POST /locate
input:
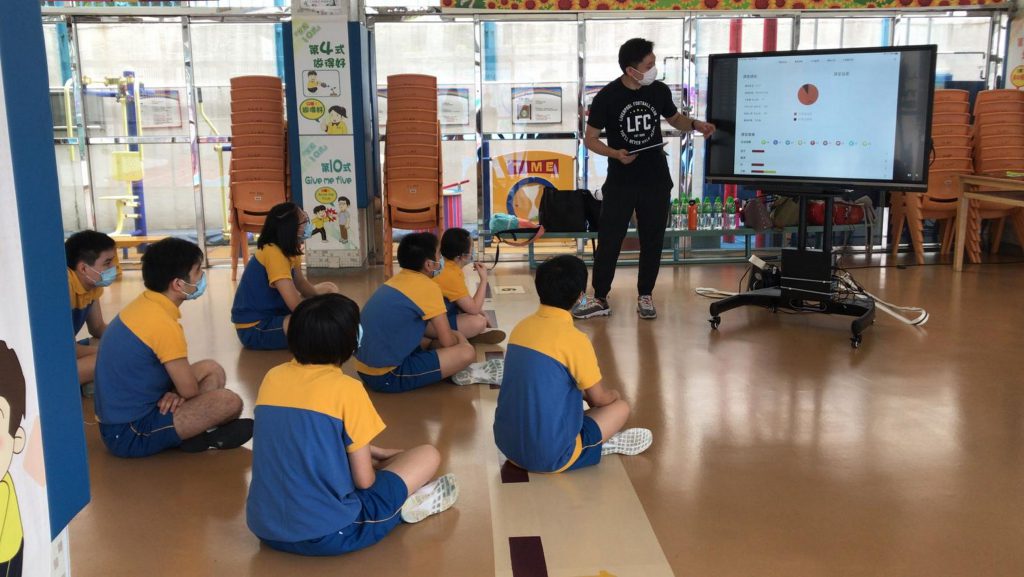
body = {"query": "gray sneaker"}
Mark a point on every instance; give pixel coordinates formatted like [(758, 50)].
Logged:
[(645, 307), (591, 307)]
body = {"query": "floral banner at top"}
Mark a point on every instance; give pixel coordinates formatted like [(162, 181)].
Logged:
[(741, 5)]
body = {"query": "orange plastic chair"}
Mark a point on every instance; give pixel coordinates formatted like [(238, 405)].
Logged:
[(939, 202), (392, 149), (951, 95), (951, 130), (997, 95), (275, 118), (243, 164), (951, 118), (250, 203), (398, 163), (995, 129), (952, 106), (399, 138), (999, 118), (411, 115), (965, 165), (1000, 140), (406, 100), (257, 128), (257, 105), (238, 94), (247, 140), (995, 106), (951, 141), (410, 204), (413, 127), (964, 151), (258, 175), (397, 82), (255, 81), (257, 152)]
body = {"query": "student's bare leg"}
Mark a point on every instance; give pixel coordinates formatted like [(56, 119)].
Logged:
[(416, 466), (326, 288), (205, 411), (86, 369), (471, 325), (610, 418), (210, 375), (455, 358)]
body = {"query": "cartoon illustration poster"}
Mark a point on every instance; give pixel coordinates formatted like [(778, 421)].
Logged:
[(322, 75), (329, 192), (24, 512)]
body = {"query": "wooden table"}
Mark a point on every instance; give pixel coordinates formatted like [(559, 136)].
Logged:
[(997, 190)]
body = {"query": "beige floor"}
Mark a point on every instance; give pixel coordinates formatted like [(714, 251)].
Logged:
[(779, 450)]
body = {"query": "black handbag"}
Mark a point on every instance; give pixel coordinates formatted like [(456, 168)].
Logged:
[(563, 210)]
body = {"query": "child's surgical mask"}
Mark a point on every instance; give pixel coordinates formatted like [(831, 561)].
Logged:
[(200, 288), (307, 230), (106, 277)]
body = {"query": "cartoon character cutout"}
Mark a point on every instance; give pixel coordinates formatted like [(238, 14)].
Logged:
[(320, 218), (334, 121), (12, 442), (314, 84), (343, 204)]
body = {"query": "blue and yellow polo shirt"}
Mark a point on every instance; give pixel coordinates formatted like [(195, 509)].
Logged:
[(81, 300), (394, 320), (130, 373), (255, 298), (548, 365), (452, 281), (308, 419)]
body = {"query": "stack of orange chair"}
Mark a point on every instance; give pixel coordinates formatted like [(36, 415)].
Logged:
[(412, 158), (258, 151), (998, 150), (951, 137)]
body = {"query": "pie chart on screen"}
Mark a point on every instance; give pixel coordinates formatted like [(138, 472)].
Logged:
[(808, 94)]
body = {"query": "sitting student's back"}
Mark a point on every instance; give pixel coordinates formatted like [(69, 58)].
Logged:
[(551, 368)]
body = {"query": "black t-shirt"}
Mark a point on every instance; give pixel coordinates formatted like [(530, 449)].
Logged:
[(632, 120)]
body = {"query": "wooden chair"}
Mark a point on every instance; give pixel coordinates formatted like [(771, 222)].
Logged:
[(250, 203)]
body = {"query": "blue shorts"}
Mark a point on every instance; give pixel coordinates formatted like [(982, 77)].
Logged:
[(381, 512), (453, 315), (269, 335), (143, 437), (591, 436), (418, 370)]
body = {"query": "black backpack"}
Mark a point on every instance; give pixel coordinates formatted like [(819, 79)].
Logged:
[(569, 210)]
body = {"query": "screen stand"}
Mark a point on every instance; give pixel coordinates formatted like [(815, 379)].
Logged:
[(806, 281)]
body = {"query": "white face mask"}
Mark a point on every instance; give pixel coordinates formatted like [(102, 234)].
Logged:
[(648, 77)]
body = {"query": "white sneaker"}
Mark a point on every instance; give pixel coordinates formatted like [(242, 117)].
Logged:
[(628, 442), (431, 499), (486, 373)]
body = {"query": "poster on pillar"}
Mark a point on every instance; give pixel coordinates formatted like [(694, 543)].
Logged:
[(24, 509), (323, 85), (1015, 55), (518, 180), (329, 197), (323, 88)]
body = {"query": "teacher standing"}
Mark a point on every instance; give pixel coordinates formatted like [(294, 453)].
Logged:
[(629, 109)]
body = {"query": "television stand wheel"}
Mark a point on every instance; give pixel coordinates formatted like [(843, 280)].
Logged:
[(715, 321), (855, 341)]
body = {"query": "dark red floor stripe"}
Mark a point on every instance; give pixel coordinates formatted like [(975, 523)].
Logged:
[(527, 557), (510, 473)]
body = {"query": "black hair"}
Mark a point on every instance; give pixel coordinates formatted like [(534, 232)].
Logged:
[(416, 249), (12, 386), (324, 330), (311, 73), (345, 198), (455, 242), (339, 109), (319, 208), (560, 280), (281, 229), (167, 260), (86, 246), (633, 52)]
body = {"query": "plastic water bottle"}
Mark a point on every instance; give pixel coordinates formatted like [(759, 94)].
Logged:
[(705, 214), (691, 215), (736, 220), (727, 216), (673, 221), (716, 213)]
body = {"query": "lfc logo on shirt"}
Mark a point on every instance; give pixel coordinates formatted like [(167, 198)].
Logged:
[(637, 123)]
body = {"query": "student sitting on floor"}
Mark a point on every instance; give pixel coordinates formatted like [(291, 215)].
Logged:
[(551, 368), (148, 397), (90, 257), (318, 486), (272, 284), (465, 313), (408, 342)]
